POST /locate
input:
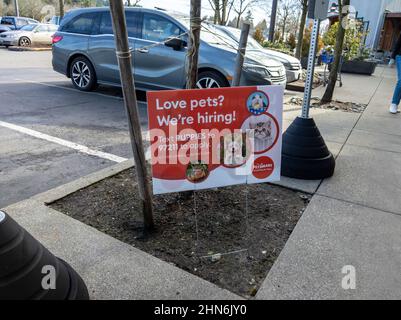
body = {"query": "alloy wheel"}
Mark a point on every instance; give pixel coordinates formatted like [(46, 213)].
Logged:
[(207, 82), (24, 42), (81, 74)]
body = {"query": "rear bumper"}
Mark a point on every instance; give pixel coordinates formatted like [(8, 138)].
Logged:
[(58, 61)]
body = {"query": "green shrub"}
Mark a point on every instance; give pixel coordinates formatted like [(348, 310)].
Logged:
[(278, 46), (352, 41)]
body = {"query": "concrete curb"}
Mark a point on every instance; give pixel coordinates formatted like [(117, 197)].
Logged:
[(110, 268), (29, 49), (64, 190)]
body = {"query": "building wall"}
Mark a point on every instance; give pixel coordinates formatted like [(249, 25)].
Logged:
[(372, 11)]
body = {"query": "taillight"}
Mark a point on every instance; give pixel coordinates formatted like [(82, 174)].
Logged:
[(56, 39)]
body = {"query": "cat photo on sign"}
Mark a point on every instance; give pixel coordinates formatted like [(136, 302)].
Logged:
[(263, 130)]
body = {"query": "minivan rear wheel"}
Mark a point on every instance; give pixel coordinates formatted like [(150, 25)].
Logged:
[(211, 79), (82, 74)]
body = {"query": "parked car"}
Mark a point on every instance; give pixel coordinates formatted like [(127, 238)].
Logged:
[(84, 50), (292, 65), (55, 20), (31, 34), (9, 23)]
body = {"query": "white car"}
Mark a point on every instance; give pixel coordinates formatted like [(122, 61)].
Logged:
[(292, 65), (38, 34)]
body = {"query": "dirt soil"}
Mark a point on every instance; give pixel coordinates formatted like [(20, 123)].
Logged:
[(229, 236), (333, 105)]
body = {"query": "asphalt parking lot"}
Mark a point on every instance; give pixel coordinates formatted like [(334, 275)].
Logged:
[(51, 133)]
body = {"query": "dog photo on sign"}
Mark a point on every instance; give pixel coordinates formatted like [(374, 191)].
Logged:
[(234, 149)]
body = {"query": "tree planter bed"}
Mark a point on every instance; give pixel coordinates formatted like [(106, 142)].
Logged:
[(219, 241)]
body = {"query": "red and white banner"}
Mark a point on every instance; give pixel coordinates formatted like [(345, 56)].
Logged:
[(215, 137)]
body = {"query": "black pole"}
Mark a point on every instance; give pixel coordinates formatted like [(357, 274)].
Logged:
[(273, 20)]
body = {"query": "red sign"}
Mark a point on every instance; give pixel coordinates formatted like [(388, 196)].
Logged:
[(214, 137)]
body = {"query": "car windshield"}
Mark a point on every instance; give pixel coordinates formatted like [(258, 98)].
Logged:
[(209, 33), (252, 43), (28, 27)]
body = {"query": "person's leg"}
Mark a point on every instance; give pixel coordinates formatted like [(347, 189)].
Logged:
[(397, 91)]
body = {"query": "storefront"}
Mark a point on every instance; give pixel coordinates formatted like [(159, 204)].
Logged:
[(390, 31)]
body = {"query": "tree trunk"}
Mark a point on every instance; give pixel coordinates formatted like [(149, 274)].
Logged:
[(217, 11), (298, 51), (223, 13), (128, 87), (193, 48), (61, 8), (273, 20), (328, 95)]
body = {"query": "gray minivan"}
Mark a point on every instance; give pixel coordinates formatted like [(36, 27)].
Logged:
[(84, 50)]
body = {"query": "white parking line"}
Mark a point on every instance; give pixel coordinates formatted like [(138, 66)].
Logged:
[(68, 88), (62, 142)]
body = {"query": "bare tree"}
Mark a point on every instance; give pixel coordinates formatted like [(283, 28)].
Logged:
[(241, 6), (298, 50), (61, 8), (133, 3), (328, 95), (286, 10), (222, 10)]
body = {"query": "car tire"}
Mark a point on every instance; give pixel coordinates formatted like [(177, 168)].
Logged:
[(24, 42), (211, 79), (82, 73)]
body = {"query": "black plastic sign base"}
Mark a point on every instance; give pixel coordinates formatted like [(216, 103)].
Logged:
[(24, 264), (305, 154)]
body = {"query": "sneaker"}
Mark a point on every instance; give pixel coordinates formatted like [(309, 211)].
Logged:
[(393, 108)]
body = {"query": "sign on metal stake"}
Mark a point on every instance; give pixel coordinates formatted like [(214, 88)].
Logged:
[(311, 69), (305, 154)]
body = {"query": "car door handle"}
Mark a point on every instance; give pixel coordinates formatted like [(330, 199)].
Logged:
[(143, 50)]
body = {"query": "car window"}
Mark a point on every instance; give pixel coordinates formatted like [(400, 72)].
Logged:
[(22, 22), (41, 29), (31, 21), (28, 27), (82, 24), (8, 21), (157, 28), (52, 28), (105, 24), (132, 19)]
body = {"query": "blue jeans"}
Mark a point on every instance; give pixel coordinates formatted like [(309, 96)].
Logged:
[(397, 90)]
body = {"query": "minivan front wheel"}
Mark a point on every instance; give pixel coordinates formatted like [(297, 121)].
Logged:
[(210, 79), (82, 74)]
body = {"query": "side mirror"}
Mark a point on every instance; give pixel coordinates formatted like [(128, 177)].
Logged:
[(175, 43)]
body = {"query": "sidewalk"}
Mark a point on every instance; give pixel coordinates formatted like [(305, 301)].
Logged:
[(354, 217)]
